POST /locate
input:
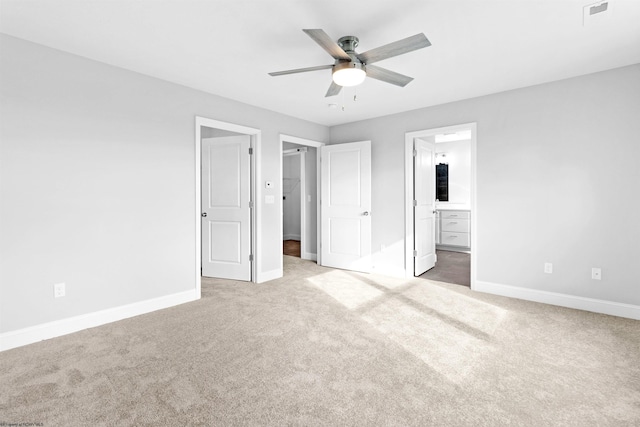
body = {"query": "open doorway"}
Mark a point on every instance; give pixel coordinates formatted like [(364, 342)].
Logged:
[(294, 205), (451, 198), (299, 176), (227, 217)]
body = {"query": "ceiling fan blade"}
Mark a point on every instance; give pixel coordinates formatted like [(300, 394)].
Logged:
[(394, 49), (388, 76), (301, 70), (334, 89), (325, 42)]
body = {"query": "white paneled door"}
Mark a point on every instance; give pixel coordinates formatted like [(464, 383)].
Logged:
[(345, 206), (424, 206), (226, 210)]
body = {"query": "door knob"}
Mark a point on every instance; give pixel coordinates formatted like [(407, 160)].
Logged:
[(204, 214), (365, 213)]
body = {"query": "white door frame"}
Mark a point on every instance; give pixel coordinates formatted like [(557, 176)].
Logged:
[(408, 197), (256, 219), (306, 143)]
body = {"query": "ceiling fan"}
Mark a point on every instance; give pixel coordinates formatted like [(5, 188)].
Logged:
[(351, 68)]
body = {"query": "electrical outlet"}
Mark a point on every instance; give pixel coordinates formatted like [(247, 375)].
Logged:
[(59, 290), (548, 267), (596, 273)]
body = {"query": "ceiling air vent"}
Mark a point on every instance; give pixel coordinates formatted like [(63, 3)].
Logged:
[(596, 12), (602, 7)]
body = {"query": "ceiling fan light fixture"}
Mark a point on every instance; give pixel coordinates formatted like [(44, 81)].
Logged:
[(349, 74), (351, 68)]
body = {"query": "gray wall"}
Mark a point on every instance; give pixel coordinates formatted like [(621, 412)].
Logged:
[(110, 212), (311, 168), (557, 180), (97, 183)]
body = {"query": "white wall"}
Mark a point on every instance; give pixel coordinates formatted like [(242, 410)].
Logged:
[(97, 183), (458, 157), (557, 180)]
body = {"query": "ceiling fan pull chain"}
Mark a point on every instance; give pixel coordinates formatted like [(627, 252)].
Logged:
[(355, 94)]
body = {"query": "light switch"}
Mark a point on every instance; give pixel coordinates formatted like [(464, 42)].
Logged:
[(269, 199)]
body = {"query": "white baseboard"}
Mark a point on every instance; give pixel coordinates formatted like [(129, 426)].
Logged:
[(462, 249), (563, 300), (291, 237), (310, 256), (269, 275), (45, 331)]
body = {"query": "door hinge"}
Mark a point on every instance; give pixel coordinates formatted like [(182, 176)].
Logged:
[(415, 203), (251, 257), (251, 204), (415, 153), (415, 254), (250, 150)]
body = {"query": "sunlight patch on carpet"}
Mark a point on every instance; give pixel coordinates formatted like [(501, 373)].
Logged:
[(476, 314), (344, 288), (447, 349)]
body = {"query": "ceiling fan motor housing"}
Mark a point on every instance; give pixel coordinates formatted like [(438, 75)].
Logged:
[(348, 43), (348, 72)]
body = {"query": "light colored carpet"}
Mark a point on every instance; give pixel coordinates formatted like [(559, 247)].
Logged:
[(331, 347)]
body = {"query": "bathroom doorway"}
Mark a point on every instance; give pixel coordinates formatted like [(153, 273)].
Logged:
[(454, 204)]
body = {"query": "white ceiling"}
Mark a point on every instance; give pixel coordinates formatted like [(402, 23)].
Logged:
[(227, 47)]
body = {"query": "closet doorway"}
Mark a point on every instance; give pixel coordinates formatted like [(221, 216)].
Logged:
[(293, 206), (299, 184)]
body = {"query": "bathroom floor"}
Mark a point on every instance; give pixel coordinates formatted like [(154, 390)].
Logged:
[(452, 267)]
